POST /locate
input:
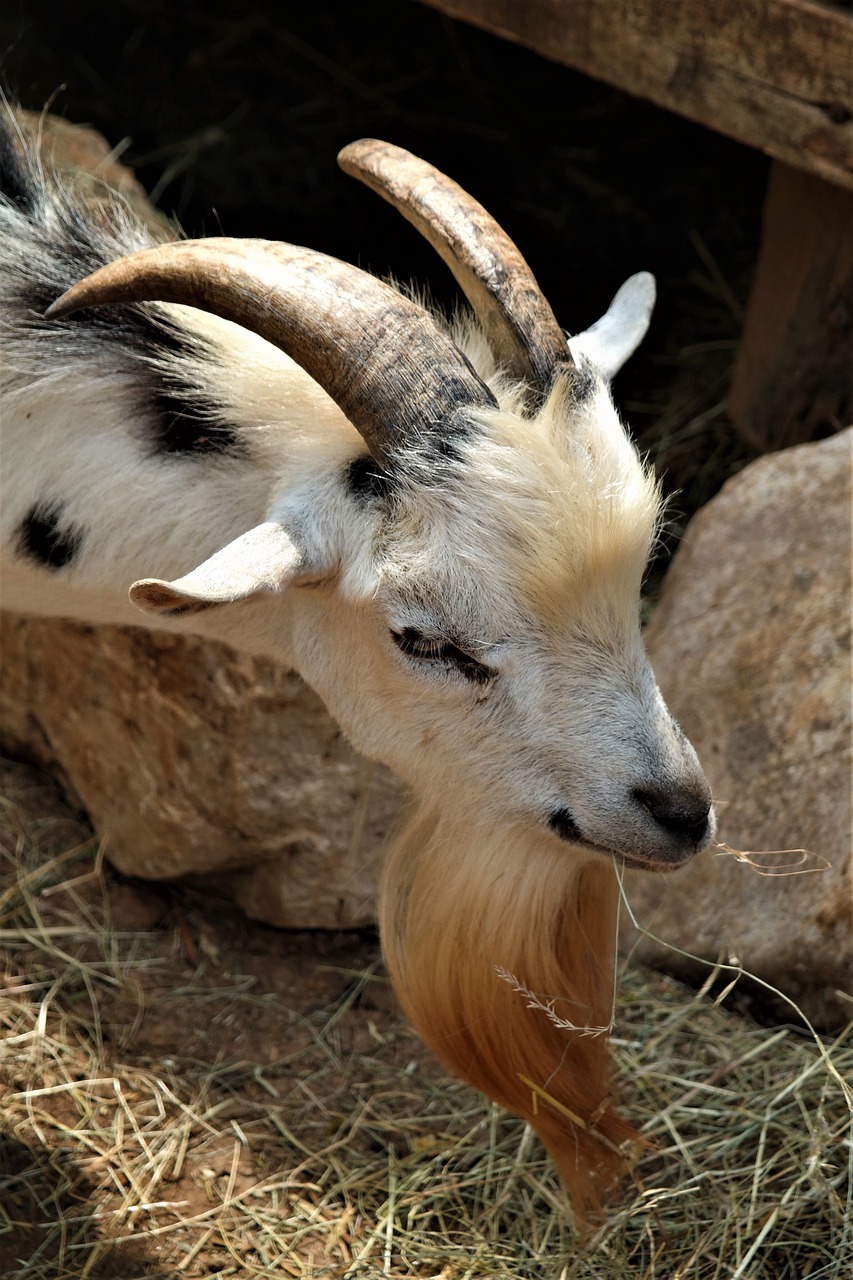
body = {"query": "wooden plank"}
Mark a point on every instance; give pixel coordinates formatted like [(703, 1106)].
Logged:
[(775, 74), (793, 377)]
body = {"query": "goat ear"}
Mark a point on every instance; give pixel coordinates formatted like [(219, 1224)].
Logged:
[(264, 560), (615, 337)]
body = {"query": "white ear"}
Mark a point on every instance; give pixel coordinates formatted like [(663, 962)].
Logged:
[(615, 337), (263, 560)]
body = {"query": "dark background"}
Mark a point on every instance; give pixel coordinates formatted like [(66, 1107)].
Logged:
[(232, 117)]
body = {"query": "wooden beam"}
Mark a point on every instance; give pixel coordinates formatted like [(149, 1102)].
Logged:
[(793, 375), (774, 74)]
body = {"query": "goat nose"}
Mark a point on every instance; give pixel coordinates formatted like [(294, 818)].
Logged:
[(680, 815)]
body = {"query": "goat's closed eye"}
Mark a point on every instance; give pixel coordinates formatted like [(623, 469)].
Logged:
[(416, 645), (433, 649)]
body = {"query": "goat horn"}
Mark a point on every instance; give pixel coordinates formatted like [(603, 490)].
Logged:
[(518, 322), (380, 357)]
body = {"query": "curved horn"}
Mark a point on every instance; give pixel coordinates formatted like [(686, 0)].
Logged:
[(519, 324), (380, 357)]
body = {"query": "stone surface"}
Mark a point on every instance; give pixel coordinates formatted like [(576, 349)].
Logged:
[(84, 157), (194, 760), (751, 645)]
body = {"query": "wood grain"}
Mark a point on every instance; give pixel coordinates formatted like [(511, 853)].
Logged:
[(793, 376), (775, 74)]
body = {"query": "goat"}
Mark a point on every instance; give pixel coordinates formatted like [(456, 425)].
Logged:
[(442, 526)]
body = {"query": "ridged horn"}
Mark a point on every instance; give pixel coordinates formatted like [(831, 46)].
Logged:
[(520, 326), (381, 358)]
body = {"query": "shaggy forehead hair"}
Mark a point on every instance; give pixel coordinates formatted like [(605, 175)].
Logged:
[(549, 510)]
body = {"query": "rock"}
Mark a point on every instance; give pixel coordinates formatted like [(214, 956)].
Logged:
[(84, 157), (196, 761), (136, 908), (751, 645)]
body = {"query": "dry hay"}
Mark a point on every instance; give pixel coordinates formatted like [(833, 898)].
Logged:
[(185, 1094)]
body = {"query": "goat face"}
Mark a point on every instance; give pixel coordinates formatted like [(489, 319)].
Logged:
[(465, 595), (493, 655), (471, 620)]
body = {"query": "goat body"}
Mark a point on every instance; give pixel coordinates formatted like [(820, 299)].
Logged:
[(442, 528)]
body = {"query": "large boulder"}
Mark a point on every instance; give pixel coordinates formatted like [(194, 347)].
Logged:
[(193, 760), (751, 644)]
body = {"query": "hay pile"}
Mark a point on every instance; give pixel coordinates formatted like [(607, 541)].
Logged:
[(184, 1094)]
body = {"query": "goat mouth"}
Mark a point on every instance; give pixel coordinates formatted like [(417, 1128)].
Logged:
[(630, 862), (645, 864), (562, 823)]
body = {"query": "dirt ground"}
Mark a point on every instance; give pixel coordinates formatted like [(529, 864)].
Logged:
[(262, 1017)]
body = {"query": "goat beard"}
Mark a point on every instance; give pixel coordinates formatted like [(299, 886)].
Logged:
[(500, 947)]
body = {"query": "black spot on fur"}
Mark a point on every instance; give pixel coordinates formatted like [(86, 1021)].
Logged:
[(563, 824), (183, 427), (147, 345), (366, 480), (44, 539), (584, 383), (185, 421)]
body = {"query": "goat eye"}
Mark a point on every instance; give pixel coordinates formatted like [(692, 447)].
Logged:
[(428, 649), (417, 645)]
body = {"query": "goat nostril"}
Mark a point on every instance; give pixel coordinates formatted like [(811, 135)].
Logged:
[(680, 816)]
